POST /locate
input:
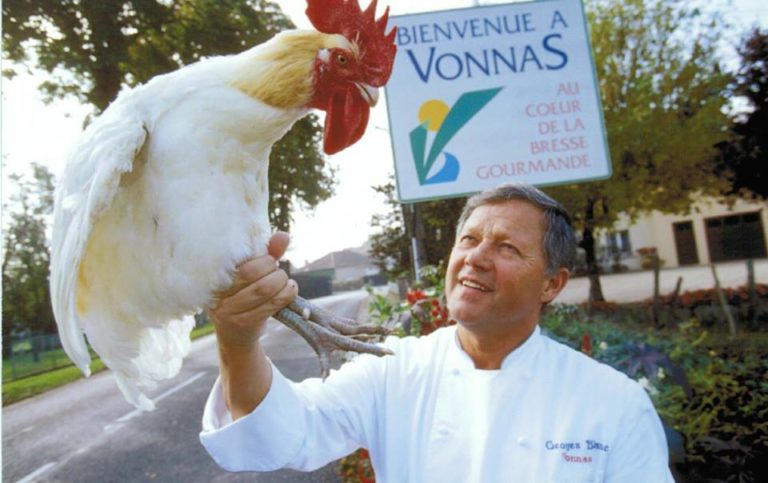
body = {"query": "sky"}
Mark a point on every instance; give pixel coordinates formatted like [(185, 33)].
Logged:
[(36, 132)]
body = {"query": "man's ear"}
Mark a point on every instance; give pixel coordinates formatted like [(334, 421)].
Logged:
[(554, 285)]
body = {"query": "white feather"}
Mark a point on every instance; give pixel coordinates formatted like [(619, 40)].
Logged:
[(164, 194)]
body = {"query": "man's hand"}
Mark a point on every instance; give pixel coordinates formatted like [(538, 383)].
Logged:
[(259, 290)]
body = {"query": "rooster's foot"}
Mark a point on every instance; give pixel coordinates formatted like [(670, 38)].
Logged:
[(326, 332)]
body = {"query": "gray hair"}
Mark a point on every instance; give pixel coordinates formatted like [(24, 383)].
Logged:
[(559, 242)]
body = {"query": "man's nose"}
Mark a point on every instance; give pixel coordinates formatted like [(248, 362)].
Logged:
[(479, 256)]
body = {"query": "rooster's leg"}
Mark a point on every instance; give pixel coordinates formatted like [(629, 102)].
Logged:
[(330, 321), (326, 333)]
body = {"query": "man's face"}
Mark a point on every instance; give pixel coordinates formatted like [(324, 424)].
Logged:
[(496, 274)]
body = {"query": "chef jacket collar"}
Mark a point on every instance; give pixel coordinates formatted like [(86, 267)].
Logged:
[(518, 361)]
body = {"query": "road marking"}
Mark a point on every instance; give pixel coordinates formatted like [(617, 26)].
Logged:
[(136, 412), (25, 430), (37, 472)]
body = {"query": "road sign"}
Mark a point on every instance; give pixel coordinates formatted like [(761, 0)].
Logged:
[(493, 94)]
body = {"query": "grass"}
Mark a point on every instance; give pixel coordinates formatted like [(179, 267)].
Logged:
[(20, 389), (24, 365)]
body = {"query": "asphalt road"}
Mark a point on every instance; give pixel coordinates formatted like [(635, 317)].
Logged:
[(85, 431)]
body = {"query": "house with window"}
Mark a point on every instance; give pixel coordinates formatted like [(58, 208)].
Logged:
[(711, 232)]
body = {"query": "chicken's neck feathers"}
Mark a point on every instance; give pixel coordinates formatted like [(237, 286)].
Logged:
[(280, 72)]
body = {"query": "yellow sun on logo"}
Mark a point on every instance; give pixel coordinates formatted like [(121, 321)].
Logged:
[(433, 112)]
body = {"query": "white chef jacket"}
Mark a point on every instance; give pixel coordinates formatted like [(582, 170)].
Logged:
[(426, 414)]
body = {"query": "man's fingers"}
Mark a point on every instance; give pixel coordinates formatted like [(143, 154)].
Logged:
[(280, 300), (278, 244), (255, 268), (247, 273), (256, 294)]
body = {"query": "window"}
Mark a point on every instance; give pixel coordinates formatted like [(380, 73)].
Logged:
[(618, 243)]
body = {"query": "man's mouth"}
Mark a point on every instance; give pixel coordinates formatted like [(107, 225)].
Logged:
[(474, 284)]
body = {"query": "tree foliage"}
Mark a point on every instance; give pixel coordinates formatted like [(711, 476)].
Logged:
[(433, 223), (390, 249), (93, 48), (745, 158), (26, 257), (663, 94)]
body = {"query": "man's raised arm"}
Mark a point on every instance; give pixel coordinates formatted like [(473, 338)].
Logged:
[(259, 290)]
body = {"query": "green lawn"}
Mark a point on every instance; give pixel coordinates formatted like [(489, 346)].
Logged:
[(25, 387), (25, 365), (20, 389)]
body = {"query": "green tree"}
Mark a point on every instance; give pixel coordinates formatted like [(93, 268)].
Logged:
[(26, 257), (663, 95), (433, 222), (390, 246), (745, 158), (93, 48)]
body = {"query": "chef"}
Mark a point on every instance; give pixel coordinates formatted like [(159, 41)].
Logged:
[(488, 400)]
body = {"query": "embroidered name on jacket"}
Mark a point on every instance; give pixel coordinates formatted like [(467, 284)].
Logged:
[(566, 446)]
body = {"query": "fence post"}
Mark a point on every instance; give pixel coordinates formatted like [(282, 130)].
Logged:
[(752, 294), (656, 289), (723, 302)]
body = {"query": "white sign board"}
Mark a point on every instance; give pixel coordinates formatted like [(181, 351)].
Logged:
[(494, 94)]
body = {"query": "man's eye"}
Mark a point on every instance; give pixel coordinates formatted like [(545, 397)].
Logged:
[(508, 248)]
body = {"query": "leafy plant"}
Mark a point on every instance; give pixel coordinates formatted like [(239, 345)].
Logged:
[(715, 402), (652, 361)]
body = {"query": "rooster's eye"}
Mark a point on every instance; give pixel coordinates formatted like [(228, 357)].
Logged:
[(341, 59)]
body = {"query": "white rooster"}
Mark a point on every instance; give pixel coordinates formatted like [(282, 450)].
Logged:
[(166, 192)]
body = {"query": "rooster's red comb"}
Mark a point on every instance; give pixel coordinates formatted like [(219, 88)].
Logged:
[(345, 17)]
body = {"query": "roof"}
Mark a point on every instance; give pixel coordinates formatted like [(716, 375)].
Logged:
[(350, 257)]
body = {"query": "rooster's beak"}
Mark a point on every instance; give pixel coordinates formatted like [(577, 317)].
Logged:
[(369, 93)]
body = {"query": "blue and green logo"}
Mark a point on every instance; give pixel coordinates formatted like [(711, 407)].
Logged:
[(436, 116)]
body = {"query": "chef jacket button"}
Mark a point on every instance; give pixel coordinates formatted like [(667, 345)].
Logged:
[(455, 372), (522, 441)]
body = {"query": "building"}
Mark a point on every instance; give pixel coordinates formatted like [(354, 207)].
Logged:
[(346, 269), (712, 232)]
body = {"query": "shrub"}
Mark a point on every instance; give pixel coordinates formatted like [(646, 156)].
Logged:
[(717, 400)]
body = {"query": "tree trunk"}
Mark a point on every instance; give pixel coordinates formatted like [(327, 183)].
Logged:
[(109, 46), (588, 244)]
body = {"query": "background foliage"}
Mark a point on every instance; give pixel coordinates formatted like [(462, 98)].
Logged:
[(663, 91), (745, 157), (26, 298), (718, 409), (92, 49)]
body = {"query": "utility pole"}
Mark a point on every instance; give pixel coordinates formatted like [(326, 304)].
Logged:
[(413, 222)]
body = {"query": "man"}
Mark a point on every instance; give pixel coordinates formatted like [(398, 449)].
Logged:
[(488, 400)]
